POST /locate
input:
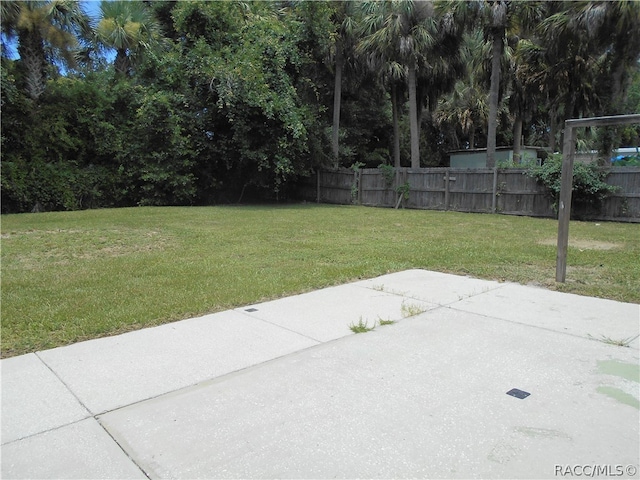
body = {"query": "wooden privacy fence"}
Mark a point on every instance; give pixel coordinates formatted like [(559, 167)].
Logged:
[(507, 191)]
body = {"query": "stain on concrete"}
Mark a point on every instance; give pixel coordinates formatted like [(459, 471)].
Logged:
[(541, 432), (625, 370), (502, 453), (620, 395)]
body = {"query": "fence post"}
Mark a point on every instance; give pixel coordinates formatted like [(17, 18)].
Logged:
[(446, 190), (402, 180), (397, 181), (318, 186), (495, 190), (564, 203), (405, 180)]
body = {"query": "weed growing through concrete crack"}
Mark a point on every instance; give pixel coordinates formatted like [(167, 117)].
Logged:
[(411, 309), (385, 322), (362, 326), (624, 342)]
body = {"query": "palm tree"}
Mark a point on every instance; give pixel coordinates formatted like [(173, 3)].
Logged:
[(343, 46), (9, 14), (47, 31), (393, 76), (501, 21), (575, 49), (496, 15), (381, 60), (130, 28), (444, 63), (399, 31), (465, 109), (524, 94), (612, 26)]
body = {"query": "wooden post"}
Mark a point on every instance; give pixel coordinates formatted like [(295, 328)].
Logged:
[(446, 190), (495, 190), (318, 186), (564, 203), (398, 179), (566, 180)]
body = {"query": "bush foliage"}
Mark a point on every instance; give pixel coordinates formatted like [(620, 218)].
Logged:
[(221, 102), (589, 187)]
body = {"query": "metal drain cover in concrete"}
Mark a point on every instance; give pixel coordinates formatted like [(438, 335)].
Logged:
[(514, 392)]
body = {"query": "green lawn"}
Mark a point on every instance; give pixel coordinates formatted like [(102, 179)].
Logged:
[(71, 276)]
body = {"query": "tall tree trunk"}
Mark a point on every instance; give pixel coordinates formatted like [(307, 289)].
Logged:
[(496, 55), (31, 52), (413, 118), (122, 63), (617, 86), (568, 115), (472, 137), (517, 139), (553, 126), (337, 93), (396, 125)]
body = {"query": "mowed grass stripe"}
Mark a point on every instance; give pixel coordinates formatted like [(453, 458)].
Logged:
[(72, 276)]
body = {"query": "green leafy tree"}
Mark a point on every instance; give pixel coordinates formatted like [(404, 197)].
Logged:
[(47, 32), (343, 51), (245, 59), (392, 74), (130, 28), (496, 15), (418, 42), (523, 95), (443, 64), (398, 31), (585, 57), (465, 109), (162, 174), (59, 156), (610, 24)]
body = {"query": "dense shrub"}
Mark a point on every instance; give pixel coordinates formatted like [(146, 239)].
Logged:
[(589, 187)]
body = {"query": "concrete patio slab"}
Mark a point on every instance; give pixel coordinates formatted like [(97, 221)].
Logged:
[(562, 312), (432, 287), (34, 400), (327, 314), (424, 398), (288, 391), (81, 450), (111, 372)]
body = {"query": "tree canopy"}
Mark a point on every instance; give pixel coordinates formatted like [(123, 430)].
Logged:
[(221, 102)]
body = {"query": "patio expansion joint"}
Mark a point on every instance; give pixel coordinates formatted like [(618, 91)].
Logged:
[(257, 317), (466, 297), (89, 412), (52, 429), (407, 295), (586, 336), (124, 450), (89, 416), (207, 381)]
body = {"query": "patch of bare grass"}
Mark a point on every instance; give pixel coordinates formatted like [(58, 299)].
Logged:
[(584, 244)]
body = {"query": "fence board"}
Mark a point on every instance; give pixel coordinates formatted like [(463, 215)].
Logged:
[(375, 190), (467, 190)]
